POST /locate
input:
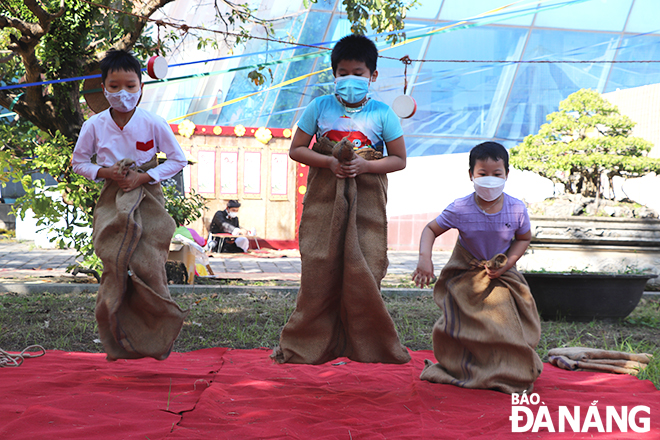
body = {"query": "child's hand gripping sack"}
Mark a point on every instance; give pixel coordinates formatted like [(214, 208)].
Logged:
[(343, 151)]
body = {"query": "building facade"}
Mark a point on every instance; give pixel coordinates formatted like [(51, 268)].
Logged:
[(482, 70)]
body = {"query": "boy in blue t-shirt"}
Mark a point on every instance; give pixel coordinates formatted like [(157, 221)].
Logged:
[(343, 229)]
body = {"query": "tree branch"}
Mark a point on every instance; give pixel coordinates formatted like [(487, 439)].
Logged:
[(32, 30), (147, 10), (45, 18), (25, 28), (7, 58), (6, 99), (246, 14), (31, 34)]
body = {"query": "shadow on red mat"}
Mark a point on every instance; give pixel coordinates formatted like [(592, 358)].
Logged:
[(240, 394)]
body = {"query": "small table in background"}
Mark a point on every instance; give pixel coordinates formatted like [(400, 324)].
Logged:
[(222, 237)]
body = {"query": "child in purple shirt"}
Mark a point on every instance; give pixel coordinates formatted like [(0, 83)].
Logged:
[(489, 326), (487, 220)]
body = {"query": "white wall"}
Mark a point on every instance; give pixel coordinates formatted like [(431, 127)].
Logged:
[(27, 228), (430, 183)]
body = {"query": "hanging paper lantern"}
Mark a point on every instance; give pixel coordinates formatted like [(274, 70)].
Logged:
[(404, 106), (157, 67)]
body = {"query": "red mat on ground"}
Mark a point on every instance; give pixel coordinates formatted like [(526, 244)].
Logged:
[(241, 394)]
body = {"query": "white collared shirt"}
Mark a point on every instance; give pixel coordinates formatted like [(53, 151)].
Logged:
[(140, 139)]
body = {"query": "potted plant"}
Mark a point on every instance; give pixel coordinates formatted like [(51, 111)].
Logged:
[(585, 296), (584, 144), (583, 148)]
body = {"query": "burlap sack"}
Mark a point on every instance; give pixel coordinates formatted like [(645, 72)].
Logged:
[(343, 248), (135, 313), (592, 359), (488, 329)]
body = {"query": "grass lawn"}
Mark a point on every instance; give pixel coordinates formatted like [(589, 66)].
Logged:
[(251, 320)]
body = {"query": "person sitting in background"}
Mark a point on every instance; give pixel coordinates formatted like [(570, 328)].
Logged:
[(226, 222)]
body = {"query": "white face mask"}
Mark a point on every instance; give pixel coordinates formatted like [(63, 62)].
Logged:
[(232, 214), (122, 101), (488, 188)]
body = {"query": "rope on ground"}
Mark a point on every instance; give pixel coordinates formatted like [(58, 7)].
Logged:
[(16, 359)]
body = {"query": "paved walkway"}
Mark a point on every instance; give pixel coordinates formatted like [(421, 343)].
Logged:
[(23, 260), (27, 269)]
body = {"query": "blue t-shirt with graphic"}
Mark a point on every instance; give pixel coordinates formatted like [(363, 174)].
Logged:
[(372, 126)]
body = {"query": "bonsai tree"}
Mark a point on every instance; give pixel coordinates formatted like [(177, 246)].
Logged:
[(585, 141)]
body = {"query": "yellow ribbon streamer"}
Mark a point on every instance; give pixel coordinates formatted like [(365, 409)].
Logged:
[(232, 101), (300, 78)]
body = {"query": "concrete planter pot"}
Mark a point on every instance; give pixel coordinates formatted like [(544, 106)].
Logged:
[(593, 245), (596, 231), (586, 296)]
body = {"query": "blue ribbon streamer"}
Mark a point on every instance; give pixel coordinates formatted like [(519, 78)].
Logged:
[(503, 16)]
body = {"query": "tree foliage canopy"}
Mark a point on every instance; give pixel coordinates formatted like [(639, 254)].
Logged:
[(380, 15), (58, 39), (45, 41), (586, 140)]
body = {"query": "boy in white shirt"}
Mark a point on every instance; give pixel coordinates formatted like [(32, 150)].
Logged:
[(125, 131), (132, 230)]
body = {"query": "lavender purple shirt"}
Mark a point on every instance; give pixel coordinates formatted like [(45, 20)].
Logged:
[(485, 235)]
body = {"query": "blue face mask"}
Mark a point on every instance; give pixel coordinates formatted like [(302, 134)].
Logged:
[(352, 89)]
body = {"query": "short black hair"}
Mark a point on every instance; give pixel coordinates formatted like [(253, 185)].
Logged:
[(489, 150), (355, 48), (233, 204), (117, 59)]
